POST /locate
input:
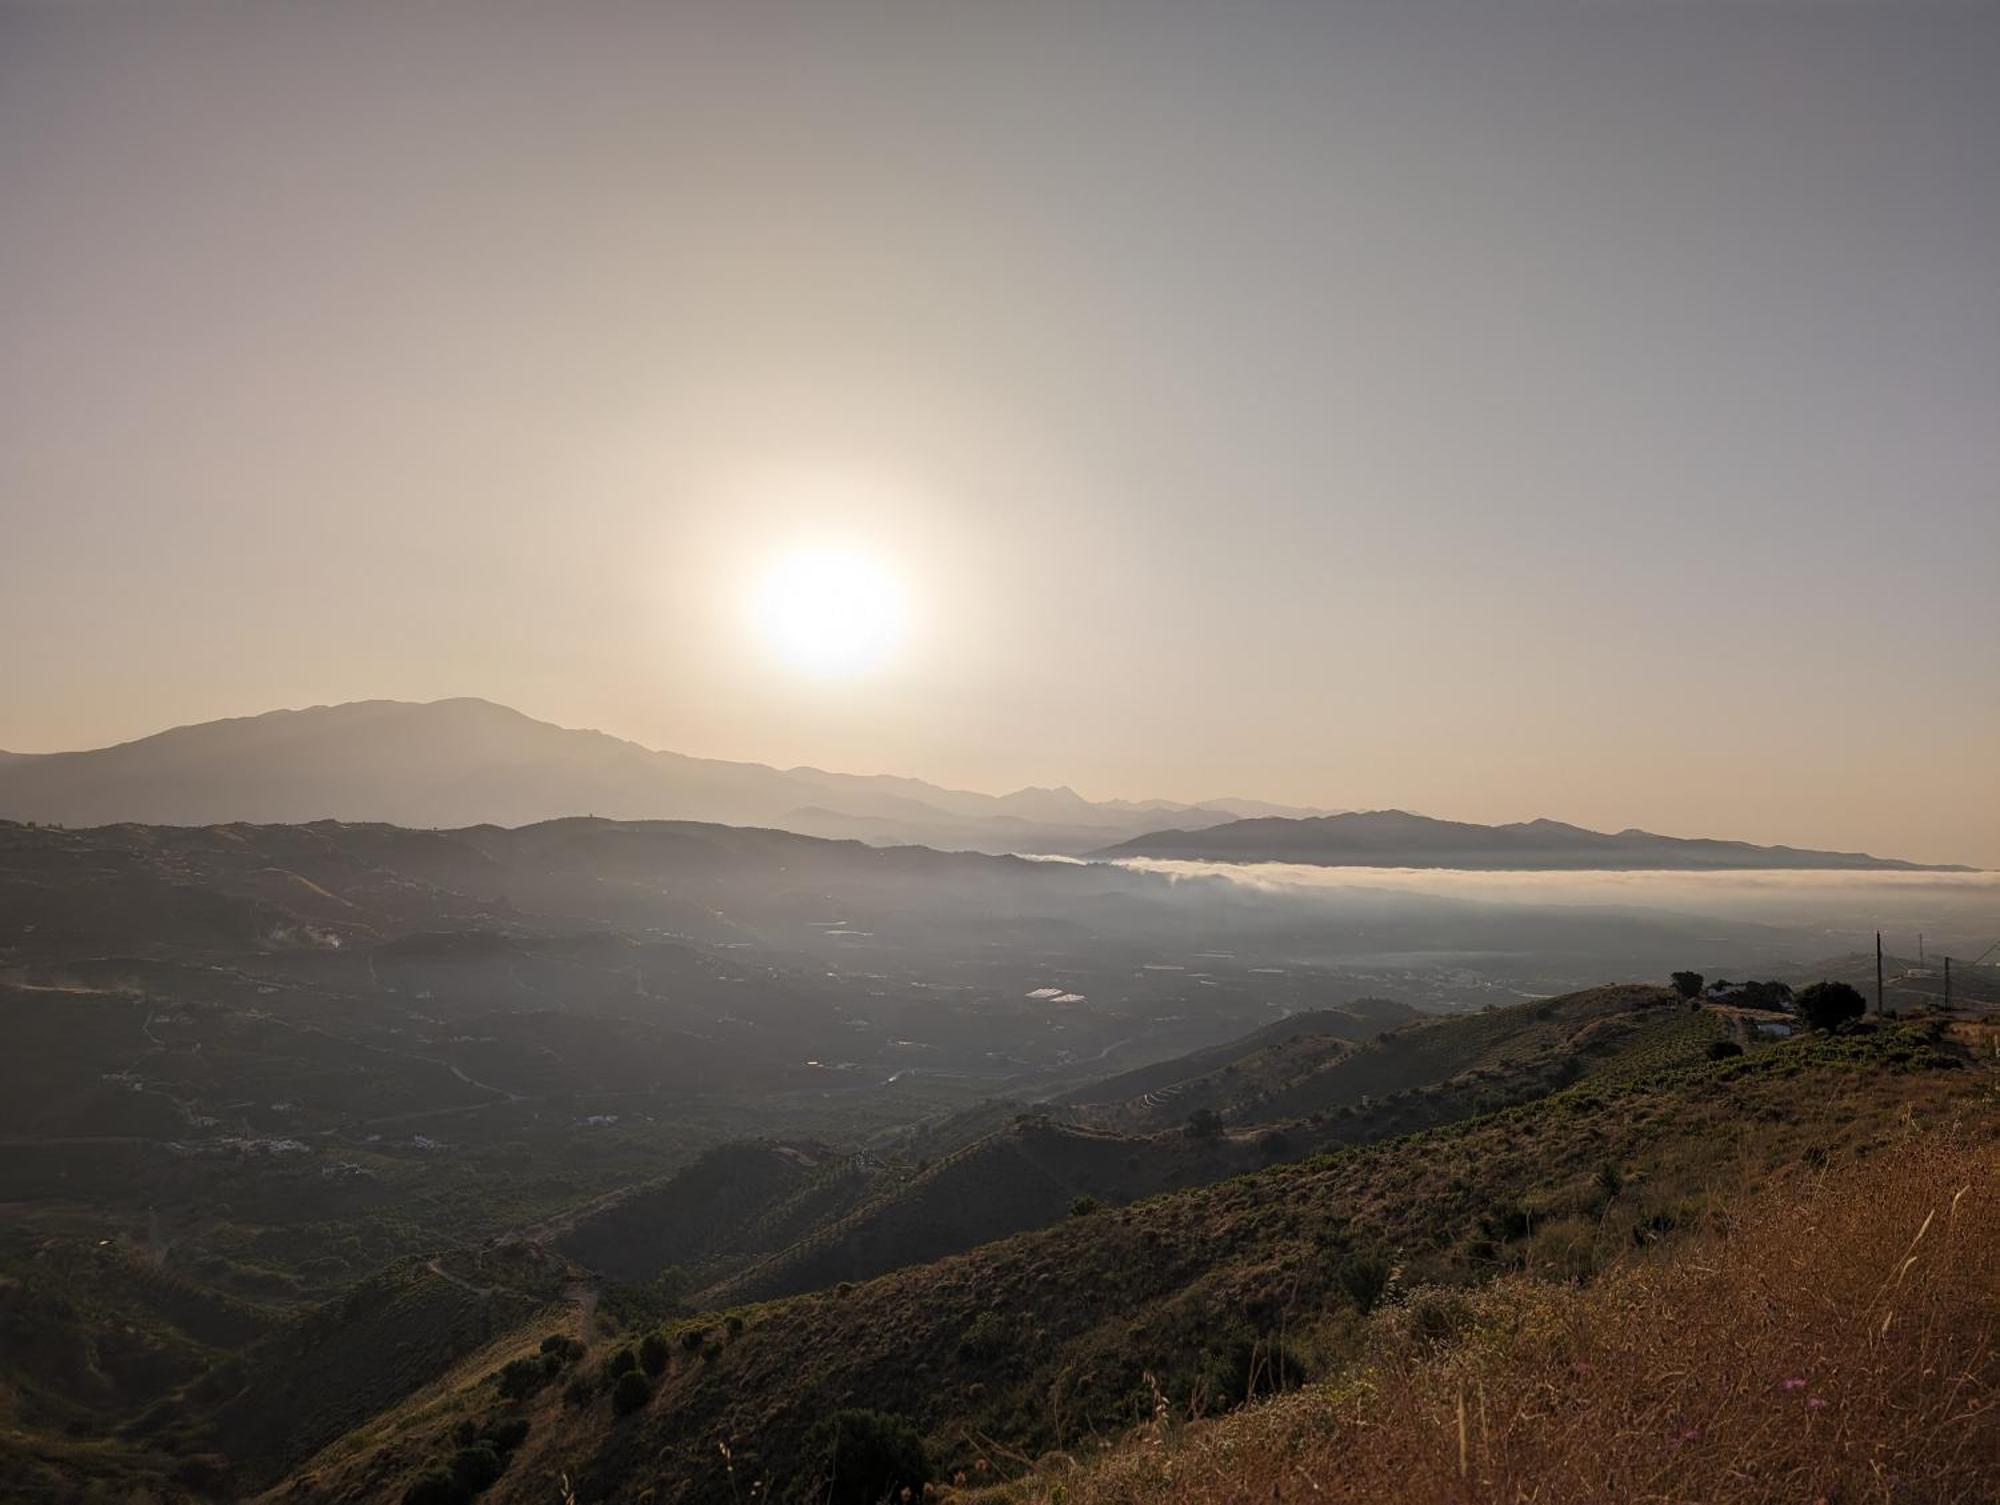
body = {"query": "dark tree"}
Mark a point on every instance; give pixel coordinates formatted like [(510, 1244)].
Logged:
[(1688, 984), (1828, 1005), (476, 1467), (435, 1486), (859, 1457), (653, 1354), (622, 1362), (1722, 1050), (630, 1393)]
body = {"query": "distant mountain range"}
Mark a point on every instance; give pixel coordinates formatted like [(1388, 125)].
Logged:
[(1396, 838), (451, 763)]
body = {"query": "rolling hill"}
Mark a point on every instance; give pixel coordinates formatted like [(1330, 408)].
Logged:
[(1396, 838)]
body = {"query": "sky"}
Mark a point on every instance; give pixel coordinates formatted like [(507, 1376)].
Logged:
[(1495, 410)]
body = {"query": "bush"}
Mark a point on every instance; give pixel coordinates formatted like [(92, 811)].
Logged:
[(1688, 984), (1722, 1050), (691, 1337), (435, 1486), (1365, 1278), (521, 1378), (1204, 1123), (1240, 1365), (507, 1435), (734, 1323), (857, 1457), (621, 1364), (653, 1354), (476, 1467), (1828, 1005), (986, 1337), (1084, 1206), (630, 1393)]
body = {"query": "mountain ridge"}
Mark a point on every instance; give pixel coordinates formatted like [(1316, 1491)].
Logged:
[(467, 761), (1398, 838)]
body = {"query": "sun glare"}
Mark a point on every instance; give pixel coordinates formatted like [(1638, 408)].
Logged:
[(831, 611)]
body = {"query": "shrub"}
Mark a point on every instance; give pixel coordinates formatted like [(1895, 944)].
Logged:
[(1241, 1365), (435, 1486), (653, 1354), (621, 1364), (1828, 1005), (1688, 984), (476, 1467), (521, 1378), (734, 1323), (985, 1337), (508, 1434), (691, 1337), (630, 1393), (857, 1457), (1204, 1123), (1084, 1206), (1722, 1050), (1365, 1278)]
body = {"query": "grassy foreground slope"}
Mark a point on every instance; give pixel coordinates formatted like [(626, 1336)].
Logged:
[(1840, 1342), (1063, 1340)]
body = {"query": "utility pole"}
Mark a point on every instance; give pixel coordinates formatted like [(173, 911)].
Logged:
[(1947, 984), (1878, 974)]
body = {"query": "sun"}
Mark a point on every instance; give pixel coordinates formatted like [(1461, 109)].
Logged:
[(831, 611)]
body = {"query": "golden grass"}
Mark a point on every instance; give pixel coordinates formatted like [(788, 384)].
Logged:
[(1836, 1345)]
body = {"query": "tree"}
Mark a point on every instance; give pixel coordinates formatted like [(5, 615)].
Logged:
[(476, 1467), (1828, 1005), (1204, 1123), (1688, 984), (435, 1486), (622, 1362), (630, 1393), (857, 1457), (653, 1354), (1722, 1050)]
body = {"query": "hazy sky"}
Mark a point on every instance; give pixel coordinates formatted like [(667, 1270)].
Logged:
[(1588, 410)]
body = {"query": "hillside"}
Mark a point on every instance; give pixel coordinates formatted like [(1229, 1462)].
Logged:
[(469, 762), (1036, 1170), (1751, 1365), (1441, 1067), (1048, 1338), (1396, 838), (737, 1202), (1353, 1021)]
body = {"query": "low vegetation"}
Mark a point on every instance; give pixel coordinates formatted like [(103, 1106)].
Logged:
[(1839, 1340)]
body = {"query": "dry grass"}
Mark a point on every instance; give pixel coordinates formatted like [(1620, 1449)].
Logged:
[(1837, 1345)]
